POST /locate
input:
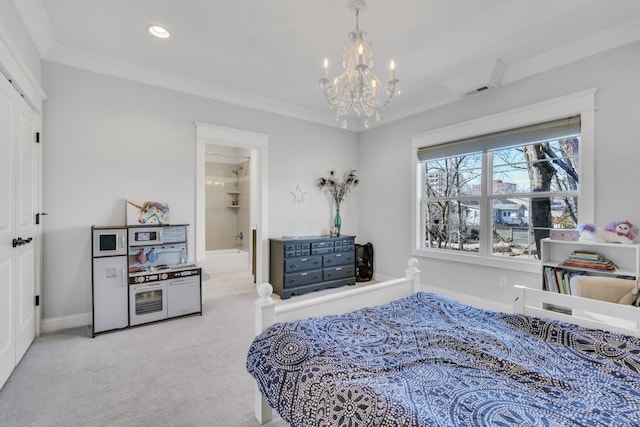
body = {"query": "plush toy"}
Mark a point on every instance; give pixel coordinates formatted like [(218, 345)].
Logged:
[(616, 232)]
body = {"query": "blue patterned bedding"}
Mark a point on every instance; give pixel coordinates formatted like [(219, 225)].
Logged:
[(427, 360)]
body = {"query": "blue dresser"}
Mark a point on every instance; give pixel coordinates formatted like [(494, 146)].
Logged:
[(304, 264)]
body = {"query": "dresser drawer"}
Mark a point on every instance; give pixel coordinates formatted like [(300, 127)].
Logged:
[(333, 273), (304, 278), (339, 258), (296, 249), (322, 250), (303, 263), (344, 245), (345, 248), (343, 242)]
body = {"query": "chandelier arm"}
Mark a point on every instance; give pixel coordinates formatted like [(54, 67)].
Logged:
[(358, 89)]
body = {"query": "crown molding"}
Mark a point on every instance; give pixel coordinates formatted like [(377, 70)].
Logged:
[(16, 70), (34, 17), (593, 44), (154, 77), (36, 22)]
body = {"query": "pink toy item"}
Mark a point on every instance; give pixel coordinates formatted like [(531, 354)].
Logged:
[(616, 232)]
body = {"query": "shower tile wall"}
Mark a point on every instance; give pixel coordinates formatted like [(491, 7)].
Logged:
[(225, 222)]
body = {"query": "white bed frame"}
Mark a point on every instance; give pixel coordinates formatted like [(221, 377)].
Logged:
[(533, 302), (591, 313)]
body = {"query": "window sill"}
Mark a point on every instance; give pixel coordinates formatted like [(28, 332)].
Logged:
[(492, 261)]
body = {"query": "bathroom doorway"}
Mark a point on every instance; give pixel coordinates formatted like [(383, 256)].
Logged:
[(237, 143), (227, 201)]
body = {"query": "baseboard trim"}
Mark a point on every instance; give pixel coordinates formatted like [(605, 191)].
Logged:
[(65, 322)]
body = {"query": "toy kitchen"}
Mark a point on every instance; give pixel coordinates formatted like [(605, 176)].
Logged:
[(141, 274)]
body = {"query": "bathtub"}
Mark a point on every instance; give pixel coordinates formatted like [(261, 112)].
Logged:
[(227, 260)]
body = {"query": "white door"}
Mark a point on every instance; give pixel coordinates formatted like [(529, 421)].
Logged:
[(7, 205), (25, 227), (19, 187)]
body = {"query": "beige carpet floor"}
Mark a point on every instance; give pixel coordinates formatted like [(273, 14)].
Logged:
[(183, 372)]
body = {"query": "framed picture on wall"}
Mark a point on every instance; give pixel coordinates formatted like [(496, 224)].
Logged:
[(150, 212)]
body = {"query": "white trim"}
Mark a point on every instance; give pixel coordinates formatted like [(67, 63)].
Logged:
[(159, 78), (19, 73), (585, 312), (555, 108), (54, 324), (592, 44), (582, 103), (37, 23), (259, 210)]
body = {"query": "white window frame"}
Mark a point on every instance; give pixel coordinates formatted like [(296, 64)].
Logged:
[(582, 103)]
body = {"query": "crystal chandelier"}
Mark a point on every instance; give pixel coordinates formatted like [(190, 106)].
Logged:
[(357, 89)]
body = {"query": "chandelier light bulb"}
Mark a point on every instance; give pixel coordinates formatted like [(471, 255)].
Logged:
[(357, 89)]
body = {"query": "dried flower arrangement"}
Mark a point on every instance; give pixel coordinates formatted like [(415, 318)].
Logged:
[(338, 189)]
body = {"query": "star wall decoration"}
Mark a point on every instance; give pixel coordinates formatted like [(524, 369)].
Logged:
[(298, 195)]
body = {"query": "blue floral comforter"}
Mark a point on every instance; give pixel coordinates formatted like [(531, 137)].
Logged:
[(427, 360)]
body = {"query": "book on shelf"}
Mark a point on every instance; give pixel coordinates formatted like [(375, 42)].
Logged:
[(589, 260), (558, 280)]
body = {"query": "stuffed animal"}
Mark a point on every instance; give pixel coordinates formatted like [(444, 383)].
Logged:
[(616, 232)]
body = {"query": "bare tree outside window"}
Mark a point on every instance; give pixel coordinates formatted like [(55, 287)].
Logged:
[(531, 189), (450, 187)]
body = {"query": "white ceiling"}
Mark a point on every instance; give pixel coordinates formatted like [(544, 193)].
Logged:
[(268, 54)]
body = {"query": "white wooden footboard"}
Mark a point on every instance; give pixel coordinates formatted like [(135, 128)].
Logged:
[(582, 311), (268, 312)]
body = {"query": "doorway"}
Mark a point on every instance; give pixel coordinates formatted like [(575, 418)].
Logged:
[(228, 205), (238, 143)]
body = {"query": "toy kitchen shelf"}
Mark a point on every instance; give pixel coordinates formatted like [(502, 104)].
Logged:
[(625, 257)]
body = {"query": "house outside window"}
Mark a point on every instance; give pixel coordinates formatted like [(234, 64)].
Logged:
[(486, 191), (533, 187)]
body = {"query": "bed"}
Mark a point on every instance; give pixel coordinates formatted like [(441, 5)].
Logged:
[(402, 357)]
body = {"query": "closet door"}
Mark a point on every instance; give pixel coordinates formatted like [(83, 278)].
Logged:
[(19, 187), (26, 174), (7, 205)]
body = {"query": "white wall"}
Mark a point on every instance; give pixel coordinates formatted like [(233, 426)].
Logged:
[(106, 139), (385, 164)]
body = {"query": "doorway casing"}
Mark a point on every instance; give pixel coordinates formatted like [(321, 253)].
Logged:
[(258, 212)]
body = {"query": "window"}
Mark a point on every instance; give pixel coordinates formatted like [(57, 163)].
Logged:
[(494, 196)]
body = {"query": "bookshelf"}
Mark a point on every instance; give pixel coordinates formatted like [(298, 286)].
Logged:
[(556, 277)]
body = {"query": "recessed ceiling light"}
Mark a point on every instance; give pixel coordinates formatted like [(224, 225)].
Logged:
[(158, 31)]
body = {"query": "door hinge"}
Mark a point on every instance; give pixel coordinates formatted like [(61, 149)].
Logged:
[(38, 215), (37, 300), (38, 137)]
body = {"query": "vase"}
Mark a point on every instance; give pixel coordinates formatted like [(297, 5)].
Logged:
[(337, 222)]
